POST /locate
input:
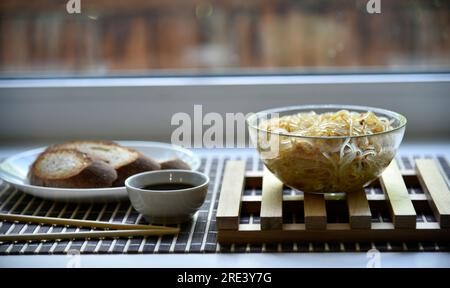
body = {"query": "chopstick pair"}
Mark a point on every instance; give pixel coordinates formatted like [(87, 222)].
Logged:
[(118, 229)]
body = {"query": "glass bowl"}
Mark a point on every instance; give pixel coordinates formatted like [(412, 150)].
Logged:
[(325, 164)]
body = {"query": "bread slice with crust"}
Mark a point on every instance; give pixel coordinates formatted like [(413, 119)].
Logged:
[(125, 160), (69, 168)]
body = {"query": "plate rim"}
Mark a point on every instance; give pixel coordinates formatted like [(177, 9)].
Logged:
[(125, 143)]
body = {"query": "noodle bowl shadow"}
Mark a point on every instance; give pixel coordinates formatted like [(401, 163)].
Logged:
[(326, 164)]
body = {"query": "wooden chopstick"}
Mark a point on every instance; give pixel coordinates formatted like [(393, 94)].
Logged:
[(87, 234), (79, 223)]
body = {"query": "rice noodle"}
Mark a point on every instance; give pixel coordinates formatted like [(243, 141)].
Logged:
[(329, 164)]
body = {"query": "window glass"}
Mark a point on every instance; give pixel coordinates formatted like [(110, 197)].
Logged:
[(148, 37)]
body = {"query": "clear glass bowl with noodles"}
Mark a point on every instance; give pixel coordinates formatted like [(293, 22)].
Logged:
[(326, 148)]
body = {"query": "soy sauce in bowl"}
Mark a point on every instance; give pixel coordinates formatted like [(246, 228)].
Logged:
[(168, 186), (167, 196)]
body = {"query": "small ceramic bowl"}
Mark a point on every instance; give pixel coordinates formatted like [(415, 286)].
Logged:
[(167, 206)]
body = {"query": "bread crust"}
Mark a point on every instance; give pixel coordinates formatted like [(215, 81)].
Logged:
[(140, 164), (95, 173), (137, 163), (175, 163)]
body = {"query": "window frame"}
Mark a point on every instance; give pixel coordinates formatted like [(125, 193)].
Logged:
[(141, 107)]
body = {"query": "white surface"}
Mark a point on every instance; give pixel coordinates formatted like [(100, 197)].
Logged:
[(14, 170), (246, 260)]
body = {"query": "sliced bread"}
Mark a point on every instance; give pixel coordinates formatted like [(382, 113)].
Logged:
[(126, 161), (69, 168)]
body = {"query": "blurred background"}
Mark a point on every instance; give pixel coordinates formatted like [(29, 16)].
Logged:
[(116, 70), (113, 37)]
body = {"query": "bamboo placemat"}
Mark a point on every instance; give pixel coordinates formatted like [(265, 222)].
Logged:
[(197, 236)]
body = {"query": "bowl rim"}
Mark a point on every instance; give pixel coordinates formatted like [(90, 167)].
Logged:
[(204, 177), (338, 107)]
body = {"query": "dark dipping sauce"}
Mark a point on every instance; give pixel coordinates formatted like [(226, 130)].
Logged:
[(168, 186)]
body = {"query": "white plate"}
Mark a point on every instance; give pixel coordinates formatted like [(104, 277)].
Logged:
[(14, 170)]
